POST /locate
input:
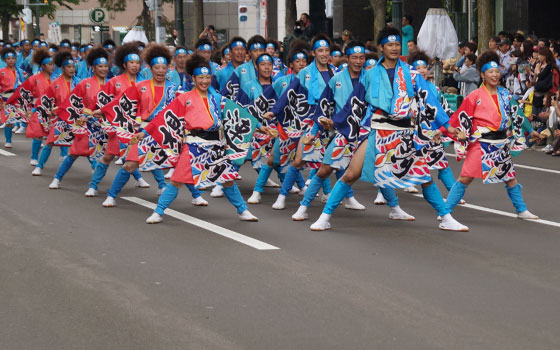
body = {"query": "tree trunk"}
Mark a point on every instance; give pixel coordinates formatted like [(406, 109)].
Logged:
[(198, 19), (6, 27), (146, 21), (485, 23), (379, 15), (291, 16)]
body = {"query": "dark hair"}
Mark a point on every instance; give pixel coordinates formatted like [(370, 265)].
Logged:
[(140, 43), (124, 51), (273, 42), (371, 47), (203, 41), (353, 43), (419, 55), (6, 50), (385, 32), (299, 45), (486, 57), (321, 36), (306, 15), (62, 56), (336, 47), (471, 46), (502, 33), (195, 62), (109, 42), (77, 44), (157, 50), (520, 38), (237, 38), (546, 42), (53, 46), (40, 54), (414, 41), (409, 18), (527, 49), (256, 39), (67, 41), (496, 39), (371, 55), (95, 53), (211, 26), (472, 57)]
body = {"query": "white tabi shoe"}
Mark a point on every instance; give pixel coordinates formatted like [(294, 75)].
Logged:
[(270, 183), (21, 130), (322, 223), (8, 145), (160, 191), (155, 218), (141, 183), (33, 162), (398, 214), (300, 214), (170, 173), (109, 202), (280, 202), (37, 171), (527, 215), (302, 190), (217, 192), (307, 182), (411, 189), (353, 204), (91, 192), (55, 184), (448, 223), (380, 200), (325, 198), (247, 216), (119, 162), (438, 218), (199, 202), (294, 189), (462, 201), (255, 198)]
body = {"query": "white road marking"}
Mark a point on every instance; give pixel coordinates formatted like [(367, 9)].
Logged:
[(522, 166), (207, 226), (6, 153), (503, 213)]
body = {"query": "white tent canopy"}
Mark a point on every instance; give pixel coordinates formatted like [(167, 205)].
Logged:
[(136, 34), (437, 36)]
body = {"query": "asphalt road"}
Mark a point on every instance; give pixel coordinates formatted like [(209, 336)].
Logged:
[(75, 275)]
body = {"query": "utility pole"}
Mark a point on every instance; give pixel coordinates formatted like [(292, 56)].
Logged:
[(179, 22)]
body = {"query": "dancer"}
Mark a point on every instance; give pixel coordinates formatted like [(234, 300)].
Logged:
[(11, 78), (492, 121)]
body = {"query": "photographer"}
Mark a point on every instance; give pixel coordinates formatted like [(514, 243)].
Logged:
[(208, 33)]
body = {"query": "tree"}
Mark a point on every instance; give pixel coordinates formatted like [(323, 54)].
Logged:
[(485, 23), (379, 15), (8, 11), (291, 16), (198, 19)]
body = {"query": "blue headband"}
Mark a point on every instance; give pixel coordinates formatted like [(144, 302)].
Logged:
[(67, 62), (201, 71), (320, 43), (355, 49), (35, 42), (271, 45), (132, 57), (226, 51), (336, 54), (100, 60), (64, 44), (205, 47), (52, 49), (43, 44), (14, 45), (256, 46), (390, 39), (9, 54), (371, 62), (299, 56), (180, 52), (158, 60), (191, 52), (141, 48), (109, 46), (237, 44), (419, 63), (75, 48), (23, 42), (7, 45), (489, 65), (89, 47), (82, 49), (264, 58), (46, 61)]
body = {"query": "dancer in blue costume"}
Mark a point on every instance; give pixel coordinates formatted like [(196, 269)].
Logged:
[(238, 52), (390, 154), (297, 61), (338, 153), (314, 79)]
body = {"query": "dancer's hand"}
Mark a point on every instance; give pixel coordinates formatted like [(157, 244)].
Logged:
[(308, 140), (326, 123), (268, 116)]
